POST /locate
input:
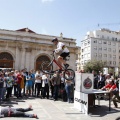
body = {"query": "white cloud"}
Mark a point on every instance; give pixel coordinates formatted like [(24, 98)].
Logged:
[(43, 1)]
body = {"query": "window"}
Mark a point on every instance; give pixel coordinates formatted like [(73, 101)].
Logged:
[(105, 55), (88, 54), (88, 48), (95, 54), (109, 55), (109, 49), (100, 42), (85, 49), (100, 48), (107, 37), (114, 62), (82, 56), (95, 41), (100, 54), (114, 56), (104, 42), (85, 43), (113, 38), (95, 48), (114, 44), (110, 62), (105, 48), (88, 42), (114, 50), (85, 55), (109, 43), (85, 61)]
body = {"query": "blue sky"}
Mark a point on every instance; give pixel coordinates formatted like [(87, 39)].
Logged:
[(71, 17)]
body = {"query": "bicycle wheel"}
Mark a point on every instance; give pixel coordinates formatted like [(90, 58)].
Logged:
[(47, 67), (69, 74)]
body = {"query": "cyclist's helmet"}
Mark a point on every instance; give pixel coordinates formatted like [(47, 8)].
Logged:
[(55, 39)]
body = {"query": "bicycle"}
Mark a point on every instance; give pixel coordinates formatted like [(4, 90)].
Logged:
[(47, 67)]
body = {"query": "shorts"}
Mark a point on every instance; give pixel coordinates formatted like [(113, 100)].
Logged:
[(64, 55), (28, 84)]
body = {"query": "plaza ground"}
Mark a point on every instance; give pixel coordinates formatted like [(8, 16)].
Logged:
[(58, 110)]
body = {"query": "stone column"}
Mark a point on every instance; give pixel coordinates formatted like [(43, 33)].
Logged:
[(28, 58), (17, 58), (22, 65)]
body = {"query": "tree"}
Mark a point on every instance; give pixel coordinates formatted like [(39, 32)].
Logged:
[(94, 65)]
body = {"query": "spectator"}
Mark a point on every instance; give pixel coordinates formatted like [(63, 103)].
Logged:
[(38, 83), (68, 90), (19, 79), (101, 81), (56, 79), (45, 86), (29, 84)]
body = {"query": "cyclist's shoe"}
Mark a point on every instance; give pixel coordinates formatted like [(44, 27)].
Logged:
[(66, 65)]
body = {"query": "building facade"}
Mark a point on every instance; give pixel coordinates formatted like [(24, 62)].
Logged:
[(101, 45), (24, 48)]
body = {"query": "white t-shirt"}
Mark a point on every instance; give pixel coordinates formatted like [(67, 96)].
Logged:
[(38, 80), (61, 47)]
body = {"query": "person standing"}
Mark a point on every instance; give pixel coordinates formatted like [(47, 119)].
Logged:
[(19, 79), (56, 79), (45, 86), (101, 81), (38, 82)]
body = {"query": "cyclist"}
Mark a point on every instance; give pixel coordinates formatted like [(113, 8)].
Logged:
[(63, 52)]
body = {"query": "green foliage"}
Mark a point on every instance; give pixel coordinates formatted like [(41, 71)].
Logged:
[(111, 70), (94, 65)]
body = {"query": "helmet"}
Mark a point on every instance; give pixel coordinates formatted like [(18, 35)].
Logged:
[(55, 39)]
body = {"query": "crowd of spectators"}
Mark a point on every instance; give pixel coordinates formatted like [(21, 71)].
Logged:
[(23, 83)]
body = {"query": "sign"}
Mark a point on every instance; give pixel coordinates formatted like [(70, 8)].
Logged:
[(84, 82)]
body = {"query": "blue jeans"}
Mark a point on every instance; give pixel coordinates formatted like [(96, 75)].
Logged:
[(1, 92), (68, 89)]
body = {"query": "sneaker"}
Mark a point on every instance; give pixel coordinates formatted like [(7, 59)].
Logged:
[(66, 65)]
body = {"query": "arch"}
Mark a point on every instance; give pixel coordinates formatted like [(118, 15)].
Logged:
[(40, 60), (6, 60)]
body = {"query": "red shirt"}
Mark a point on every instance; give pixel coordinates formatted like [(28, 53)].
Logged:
[(19, 78), (113, 87)]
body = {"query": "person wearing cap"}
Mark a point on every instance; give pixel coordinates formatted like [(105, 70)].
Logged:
[(63, 52), (112, 87)]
